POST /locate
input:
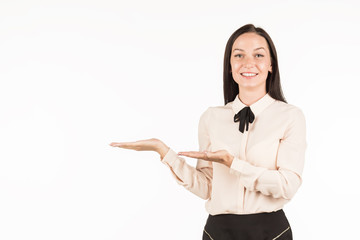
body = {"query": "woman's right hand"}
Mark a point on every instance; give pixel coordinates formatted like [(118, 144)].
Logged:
[(152, 144)]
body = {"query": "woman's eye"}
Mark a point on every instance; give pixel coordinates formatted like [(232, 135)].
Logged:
[(259, 55), (238, 55)]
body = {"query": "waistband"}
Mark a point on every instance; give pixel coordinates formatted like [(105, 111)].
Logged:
[(267, 225), (249, 219)]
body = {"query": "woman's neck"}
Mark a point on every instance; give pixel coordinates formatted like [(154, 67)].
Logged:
[(250, 97)]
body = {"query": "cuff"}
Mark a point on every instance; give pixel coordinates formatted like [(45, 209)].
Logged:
[(170, 157), (237, 166)]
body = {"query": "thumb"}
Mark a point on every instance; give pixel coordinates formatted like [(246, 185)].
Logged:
[(206, 152)]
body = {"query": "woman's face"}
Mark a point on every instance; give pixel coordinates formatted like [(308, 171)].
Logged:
[(250, 61)]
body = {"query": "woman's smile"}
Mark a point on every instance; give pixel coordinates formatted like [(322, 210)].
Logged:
[(248, 75)]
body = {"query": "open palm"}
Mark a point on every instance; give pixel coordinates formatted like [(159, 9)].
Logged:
[(151, 144), (220, 156)]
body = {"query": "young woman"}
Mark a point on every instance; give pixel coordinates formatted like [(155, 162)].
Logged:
[(252, 149)]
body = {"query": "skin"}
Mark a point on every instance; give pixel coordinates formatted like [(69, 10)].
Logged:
[(250, 53), (246, 57)]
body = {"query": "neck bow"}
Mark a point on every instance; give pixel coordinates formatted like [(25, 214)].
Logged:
[(245, 116)]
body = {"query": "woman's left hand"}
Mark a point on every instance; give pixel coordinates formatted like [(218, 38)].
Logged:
[(220, 156)]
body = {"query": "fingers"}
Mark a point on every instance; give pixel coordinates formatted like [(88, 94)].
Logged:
[(195, 154), (205, 155), (121, 144), (137, 145), (189, 154), (115, 144)]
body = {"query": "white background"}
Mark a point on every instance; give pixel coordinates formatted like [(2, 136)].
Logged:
[(76, 75)]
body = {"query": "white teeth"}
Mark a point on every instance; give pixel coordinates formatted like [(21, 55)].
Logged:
[(248, 74)]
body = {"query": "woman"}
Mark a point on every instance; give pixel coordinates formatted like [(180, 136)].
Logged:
[(252, 149)]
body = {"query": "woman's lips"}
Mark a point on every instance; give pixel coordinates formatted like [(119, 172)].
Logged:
[(248, 75)]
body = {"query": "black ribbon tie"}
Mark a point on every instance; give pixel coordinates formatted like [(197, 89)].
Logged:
[(245, 116)]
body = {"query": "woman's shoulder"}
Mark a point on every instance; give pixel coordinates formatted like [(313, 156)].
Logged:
[(287, 109), (216, 108), (211, 112)]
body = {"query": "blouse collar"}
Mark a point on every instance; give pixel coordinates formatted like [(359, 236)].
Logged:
[(257, 107)]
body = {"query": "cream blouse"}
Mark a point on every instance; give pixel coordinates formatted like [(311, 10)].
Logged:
[(268, 158)]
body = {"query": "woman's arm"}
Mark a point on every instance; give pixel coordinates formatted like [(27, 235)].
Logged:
[(286, 179), (197, 180), (163, 150)]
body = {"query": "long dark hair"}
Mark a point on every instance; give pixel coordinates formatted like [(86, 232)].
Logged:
[(273, 86)]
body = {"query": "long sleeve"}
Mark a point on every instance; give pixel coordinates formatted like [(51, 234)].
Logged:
[(197, 180), (286, 179)]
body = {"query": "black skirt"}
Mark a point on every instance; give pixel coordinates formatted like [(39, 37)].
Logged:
[(258, 226)]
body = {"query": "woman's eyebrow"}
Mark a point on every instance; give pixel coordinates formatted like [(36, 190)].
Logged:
[(239, 49)]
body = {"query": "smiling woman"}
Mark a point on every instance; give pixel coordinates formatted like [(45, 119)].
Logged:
[(250, 63), (246, 171)]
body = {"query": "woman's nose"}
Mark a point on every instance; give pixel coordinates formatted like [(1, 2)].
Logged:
[(248, 62)]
